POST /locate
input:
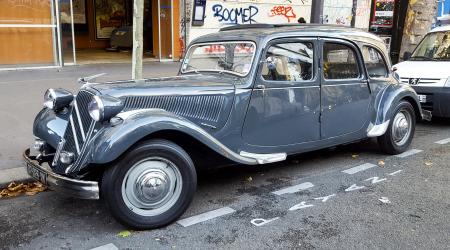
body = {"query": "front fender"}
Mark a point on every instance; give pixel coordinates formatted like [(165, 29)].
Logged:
[(50, 126), (111, 142), (386, 102)]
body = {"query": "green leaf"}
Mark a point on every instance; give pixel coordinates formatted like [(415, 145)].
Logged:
[(124, 233)]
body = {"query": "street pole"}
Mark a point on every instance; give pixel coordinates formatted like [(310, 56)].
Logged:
[(138, 27), (316, 11), (354, 9)]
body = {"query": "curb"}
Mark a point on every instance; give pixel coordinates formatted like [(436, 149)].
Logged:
[(17, 175)]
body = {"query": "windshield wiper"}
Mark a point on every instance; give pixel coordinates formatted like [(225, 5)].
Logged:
[(422, 57)]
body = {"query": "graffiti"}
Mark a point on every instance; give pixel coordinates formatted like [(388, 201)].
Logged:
[(235, 15), (286, 11)]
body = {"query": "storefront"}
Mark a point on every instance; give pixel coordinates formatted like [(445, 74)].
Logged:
[(52, 33)]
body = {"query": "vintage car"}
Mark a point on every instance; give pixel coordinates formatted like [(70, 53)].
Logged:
[(249, 94)]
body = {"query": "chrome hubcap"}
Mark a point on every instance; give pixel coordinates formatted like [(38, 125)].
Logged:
[(401, 127), (152, 186)]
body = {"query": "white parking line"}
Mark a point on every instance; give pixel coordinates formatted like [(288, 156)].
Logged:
[(409, 153), (205, 216), (294, 189), (442, 142), (109, 246), (359, 168)]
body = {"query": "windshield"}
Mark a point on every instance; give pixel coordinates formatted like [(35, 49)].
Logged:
[(228, 57), (435, 46)]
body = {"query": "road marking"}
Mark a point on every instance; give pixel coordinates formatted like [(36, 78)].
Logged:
[(260, 222), (300, 206), (375, 179), (442, 142), (353, 188), (109, 246), (396, 172), (205, 216), (409, 153), (385, 200), (359, 168), (294, 189), (325, 198)]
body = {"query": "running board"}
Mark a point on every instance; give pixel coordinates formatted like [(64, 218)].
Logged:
[(265, 158)]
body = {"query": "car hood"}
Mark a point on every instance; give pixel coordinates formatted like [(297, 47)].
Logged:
[(175, 85), (203, 99), (423, 69)]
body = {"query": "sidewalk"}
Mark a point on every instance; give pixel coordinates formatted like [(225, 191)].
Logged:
[(21, 96)]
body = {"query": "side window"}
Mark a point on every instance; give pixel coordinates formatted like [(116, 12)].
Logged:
[(339, 62), (375, 64), (292, 62)]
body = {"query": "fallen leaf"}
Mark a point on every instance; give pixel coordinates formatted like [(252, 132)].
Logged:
[(381, 163), (249, 179), (13, 189), (124, 234), (354, 156), (428, 163)]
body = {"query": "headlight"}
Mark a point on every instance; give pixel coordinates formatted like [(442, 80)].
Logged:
[(57, 99), (447, 83), (102, 108)]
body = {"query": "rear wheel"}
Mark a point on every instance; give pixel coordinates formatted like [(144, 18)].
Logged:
[(151, 185), (400, 132)]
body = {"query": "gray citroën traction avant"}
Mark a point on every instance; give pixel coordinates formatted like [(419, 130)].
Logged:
[(250, 97)]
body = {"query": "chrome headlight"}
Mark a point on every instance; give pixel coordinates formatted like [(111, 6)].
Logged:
[(57, 99), (102, 108)]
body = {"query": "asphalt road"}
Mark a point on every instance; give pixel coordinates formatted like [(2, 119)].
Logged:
[(306, 202)]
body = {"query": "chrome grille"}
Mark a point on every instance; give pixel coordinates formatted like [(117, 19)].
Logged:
[(78, 127), (420, 80), (206, 108)]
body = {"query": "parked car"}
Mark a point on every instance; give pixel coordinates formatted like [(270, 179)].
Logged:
[(249, 98), (427, 71)]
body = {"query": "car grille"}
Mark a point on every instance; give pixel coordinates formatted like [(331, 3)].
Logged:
[(77, 132), (420, 80)]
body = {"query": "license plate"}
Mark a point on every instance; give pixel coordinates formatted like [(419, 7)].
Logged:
[(422, 98), (37, 174)]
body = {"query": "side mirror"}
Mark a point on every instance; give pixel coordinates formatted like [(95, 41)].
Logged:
[(406, 55)]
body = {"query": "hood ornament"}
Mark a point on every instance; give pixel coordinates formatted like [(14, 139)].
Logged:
[(86, 79)]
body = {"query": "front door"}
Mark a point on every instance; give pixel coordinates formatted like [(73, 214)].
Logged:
[(285, 102), (345, 93)]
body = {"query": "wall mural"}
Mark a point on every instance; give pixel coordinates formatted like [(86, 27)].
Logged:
[(220, 13)]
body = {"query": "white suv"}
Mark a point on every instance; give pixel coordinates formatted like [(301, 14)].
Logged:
[(427, 69)]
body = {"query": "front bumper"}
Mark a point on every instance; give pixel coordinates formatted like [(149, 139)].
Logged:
[(437, 99), (72, 187)]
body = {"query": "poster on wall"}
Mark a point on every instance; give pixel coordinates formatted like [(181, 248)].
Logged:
[(109, 15), (79, 11), (383, 13)]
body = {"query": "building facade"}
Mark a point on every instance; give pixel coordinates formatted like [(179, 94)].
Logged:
[(53, 33)]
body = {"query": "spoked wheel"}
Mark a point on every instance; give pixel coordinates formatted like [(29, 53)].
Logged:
[(401, 129), (151, 186)]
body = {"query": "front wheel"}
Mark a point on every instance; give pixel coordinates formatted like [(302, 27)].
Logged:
[(151, 185), (400, 132)]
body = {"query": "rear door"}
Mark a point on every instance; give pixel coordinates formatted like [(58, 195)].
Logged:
[(345, 93), (285, 103)]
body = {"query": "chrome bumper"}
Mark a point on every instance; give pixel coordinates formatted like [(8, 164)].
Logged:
[(72, 187)]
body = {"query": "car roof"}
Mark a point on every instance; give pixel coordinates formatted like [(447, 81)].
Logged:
[(259, 32), (441, 28)]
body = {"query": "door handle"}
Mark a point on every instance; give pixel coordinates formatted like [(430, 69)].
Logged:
[(261, 86)]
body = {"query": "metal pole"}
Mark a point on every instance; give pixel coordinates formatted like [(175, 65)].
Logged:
[(316, 11), (354, 9), (138, 27)]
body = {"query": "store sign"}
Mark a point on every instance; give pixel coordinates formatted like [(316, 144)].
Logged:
[(383, 14)]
